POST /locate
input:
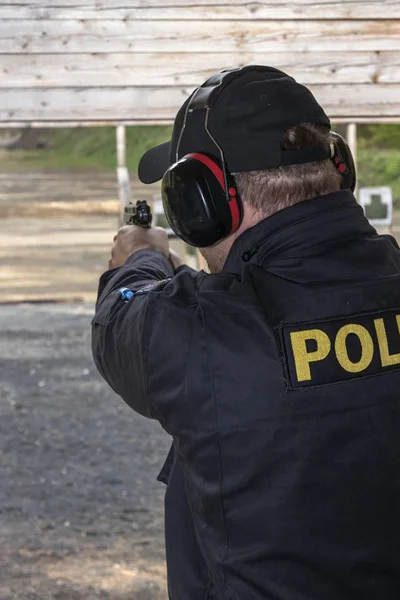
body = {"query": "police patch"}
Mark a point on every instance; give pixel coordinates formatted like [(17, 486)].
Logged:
[(339, 349)]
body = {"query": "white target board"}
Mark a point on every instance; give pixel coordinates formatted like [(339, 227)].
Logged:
[(377, 203)]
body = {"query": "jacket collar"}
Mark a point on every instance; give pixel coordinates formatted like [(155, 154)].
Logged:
[(300, 230)]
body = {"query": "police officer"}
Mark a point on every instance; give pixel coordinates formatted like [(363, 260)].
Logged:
[(277, 374)]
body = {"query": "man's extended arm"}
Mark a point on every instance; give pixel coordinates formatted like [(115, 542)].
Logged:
[(158, 290), (121, 328)]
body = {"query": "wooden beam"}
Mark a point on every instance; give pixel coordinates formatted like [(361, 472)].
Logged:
[(63, 37), (201, 9), (153, 104), (169, 69), (127, 122)]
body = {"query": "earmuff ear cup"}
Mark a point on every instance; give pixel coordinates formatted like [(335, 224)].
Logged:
[(195, 201), (344, 162)]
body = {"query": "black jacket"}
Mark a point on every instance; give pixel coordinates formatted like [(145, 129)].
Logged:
[(279, 381)]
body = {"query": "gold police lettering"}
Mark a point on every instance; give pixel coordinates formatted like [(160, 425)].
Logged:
[(312, 346)]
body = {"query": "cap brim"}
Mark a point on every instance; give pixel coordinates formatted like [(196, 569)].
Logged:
[(154, 163)]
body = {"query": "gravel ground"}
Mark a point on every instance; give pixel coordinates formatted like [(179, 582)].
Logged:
[(81, 512)]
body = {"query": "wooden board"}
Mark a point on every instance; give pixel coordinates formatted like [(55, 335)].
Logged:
[(46, 36), (143, 103), (201, 9), (143, 69), (111, 60)]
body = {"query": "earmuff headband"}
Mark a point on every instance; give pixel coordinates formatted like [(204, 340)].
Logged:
[(211, 165)]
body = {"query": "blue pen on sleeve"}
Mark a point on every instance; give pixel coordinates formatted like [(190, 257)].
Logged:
[(126, 294)]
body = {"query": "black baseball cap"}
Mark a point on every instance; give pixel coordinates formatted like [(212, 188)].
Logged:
[(249, 109)]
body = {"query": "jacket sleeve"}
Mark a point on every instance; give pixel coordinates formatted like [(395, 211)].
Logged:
[(123, 329)]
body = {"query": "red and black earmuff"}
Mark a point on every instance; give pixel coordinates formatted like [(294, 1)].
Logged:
[(344, 162), (201, 201)]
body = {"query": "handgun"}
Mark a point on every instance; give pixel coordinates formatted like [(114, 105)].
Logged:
[(139, 215)]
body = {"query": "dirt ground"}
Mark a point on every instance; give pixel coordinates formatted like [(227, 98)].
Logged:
[(81, 512), (56, 231)]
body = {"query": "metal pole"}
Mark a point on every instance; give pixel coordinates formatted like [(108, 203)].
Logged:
[(352, 141), (121, 146), (122, 172)]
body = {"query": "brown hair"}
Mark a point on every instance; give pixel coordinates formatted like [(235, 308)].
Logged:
[(271, 190)]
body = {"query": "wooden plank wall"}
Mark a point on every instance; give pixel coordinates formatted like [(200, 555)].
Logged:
[(136, 61)]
